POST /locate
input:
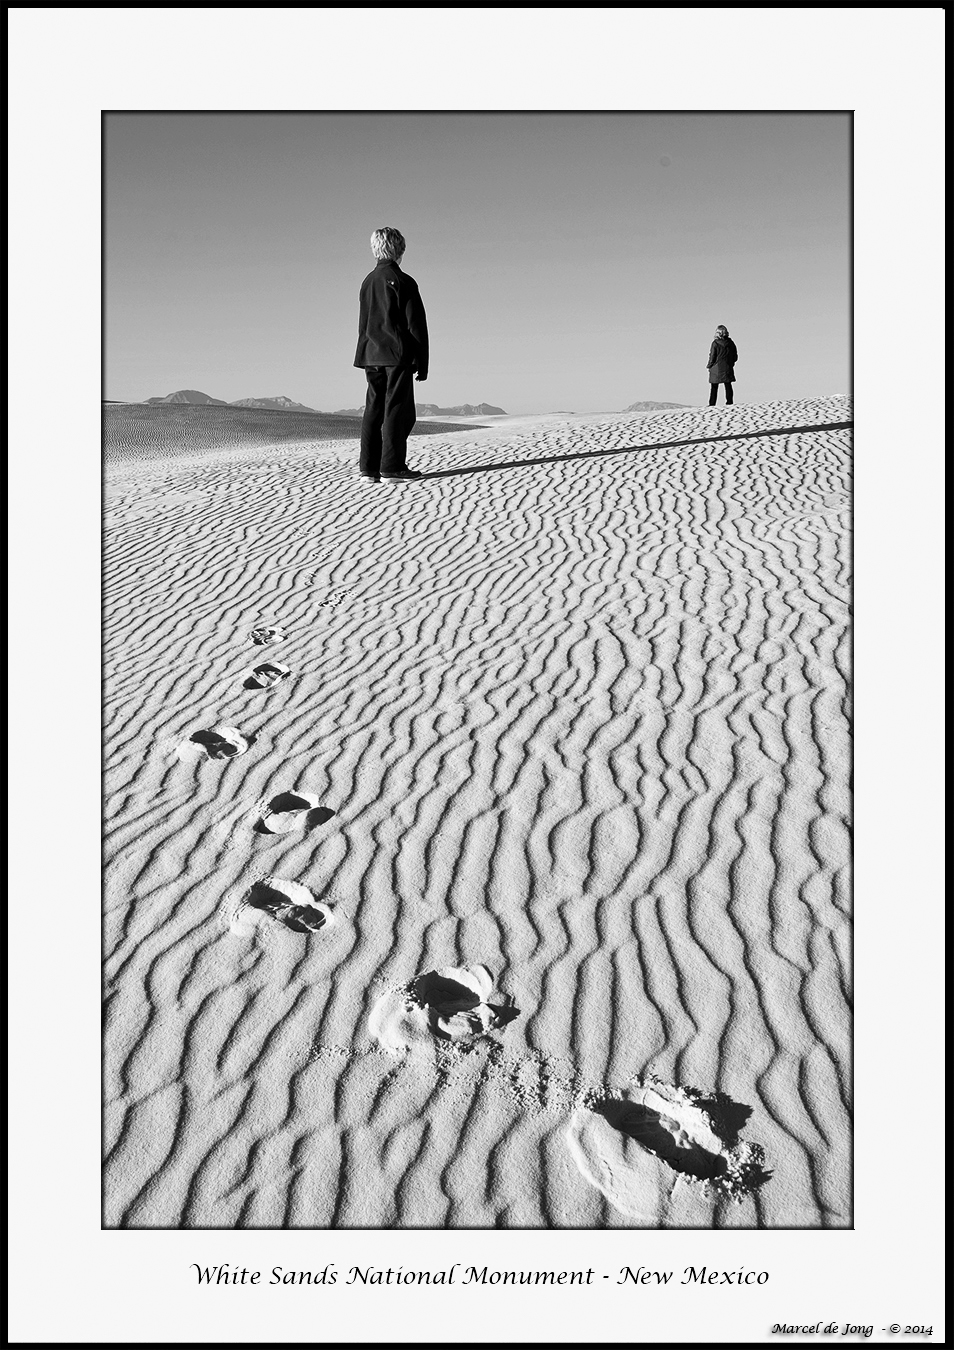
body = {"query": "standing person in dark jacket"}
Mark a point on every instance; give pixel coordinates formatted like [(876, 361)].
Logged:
[(392, 345), (722, 358)]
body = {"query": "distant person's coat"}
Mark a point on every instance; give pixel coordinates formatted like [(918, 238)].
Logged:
[(722, 359), (392, 325)]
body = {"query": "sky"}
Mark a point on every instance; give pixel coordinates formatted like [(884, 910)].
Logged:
[(567, 261)]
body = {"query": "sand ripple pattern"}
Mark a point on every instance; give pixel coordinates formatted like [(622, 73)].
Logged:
[(582, 721)]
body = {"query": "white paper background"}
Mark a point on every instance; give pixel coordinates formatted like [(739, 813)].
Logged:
[(72, 1282)]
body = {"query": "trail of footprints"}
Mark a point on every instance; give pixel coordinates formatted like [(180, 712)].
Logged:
[(632, 1143), (443, 1029)]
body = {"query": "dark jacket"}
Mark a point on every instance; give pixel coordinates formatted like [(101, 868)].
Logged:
[(392, 325), (722, 359)]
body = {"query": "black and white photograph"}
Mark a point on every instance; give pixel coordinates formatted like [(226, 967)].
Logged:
[(478, 632), (517, 892)]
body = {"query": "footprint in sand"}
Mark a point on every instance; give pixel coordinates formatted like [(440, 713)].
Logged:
[(273, 899), (266, 675), (265, 636), (451, 1004), (215, 743), (292, 811), (637, 1144), (332, 599)]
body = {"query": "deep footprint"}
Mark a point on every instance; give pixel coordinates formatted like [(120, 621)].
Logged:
[(266, 675), (292, 811), (215, 743), (451, 1004), (285, 902), (268, 634), (635, 1144), (665, 1137)]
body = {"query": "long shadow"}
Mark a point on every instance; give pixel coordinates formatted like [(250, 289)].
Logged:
[(628, 449)]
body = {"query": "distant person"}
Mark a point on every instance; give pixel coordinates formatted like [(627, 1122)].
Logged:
[(392, 346), (722, 358)]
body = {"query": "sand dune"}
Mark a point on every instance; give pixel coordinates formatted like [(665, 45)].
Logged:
[(580, 723)]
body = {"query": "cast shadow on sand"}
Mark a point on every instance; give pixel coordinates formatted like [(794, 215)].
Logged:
[(732, 1116), (628, 449)]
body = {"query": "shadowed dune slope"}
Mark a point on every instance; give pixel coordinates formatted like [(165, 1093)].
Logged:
[(581, 723), (167, 430)]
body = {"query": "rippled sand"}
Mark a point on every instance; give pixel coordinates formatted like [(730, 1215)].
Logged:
[(570, 713)]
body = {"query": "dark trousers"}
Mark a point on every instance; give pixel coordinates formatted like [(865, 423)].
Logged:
[(389, 415), (713, 391)]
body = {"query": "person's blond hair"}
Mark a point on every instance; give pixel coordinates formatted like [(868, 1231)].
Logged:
[(387, 244)]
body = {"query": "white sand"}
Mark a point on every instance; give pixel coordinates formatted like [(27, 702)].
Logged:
[(583, 724)]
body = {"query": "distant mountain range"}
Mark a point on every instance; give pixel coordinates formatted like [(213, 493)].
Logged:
[(462, 410), (648, 406), (432, 410), (195, 396), (188, 396), (280, 402), (283, 403)]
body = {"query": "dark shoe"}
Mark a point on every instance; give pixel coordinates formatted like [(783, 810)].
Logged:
[(402, 475)]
